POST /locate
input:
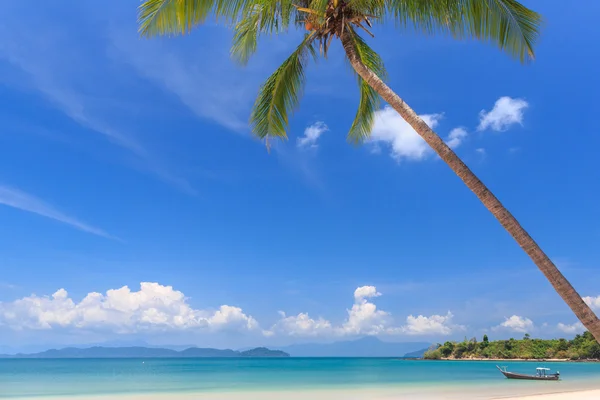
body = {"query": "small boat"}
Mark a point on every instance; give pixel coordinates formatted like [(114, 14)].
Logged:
[(542, 374)]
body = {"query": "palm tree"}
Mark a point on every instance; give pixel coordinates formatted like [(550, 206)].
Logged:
[(507, 23)]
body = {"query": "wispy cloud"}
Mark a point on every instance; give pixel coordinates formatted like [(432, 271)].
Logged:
[(217, 90), (16, 198), (212, 90), (5, 285), (70, 71), (298, 161)]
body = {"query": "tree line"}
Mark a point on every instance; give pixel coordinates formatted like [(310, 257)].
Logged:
[(582, 347)]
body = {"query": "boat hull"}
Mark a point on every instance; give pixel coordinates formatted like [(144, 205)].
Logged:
[(542, 377), (512, 375)]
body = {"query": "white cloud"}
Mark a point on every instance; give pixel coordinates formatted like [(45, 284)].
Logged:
[(593, 302), (481, 151), (517, 324), (456, 137), (363, 319), (571, 329), (390, 128), (312, 134), (301, 325), (156, 309), (153, 307), (365, 292), (435, 324), (506, 112), (18, 199)]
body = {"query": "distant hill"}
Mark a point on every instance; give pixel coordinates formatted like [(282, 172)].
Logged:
[(263, 352), (417, 354), (146, 352), (40, 347), (366, 347)]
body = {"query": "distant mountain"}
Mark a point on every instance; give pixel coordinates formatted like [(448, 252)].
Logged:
[(38, 348), (146, 352), (366, 347), (417, 354)]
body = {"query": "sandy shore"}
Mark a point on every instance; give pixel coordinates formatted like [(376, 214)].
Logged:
[(359, 394), (583, 395)]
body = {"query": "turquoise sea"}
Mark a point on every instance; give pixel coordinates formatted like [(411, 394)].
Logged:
[(65, 377)]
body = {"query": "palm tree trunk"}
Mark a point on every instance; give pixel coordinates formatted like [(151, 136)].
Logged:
[(556, 278)]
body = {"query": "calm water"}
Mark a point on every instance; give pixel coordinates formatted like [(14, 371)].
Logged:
[(119, 376)]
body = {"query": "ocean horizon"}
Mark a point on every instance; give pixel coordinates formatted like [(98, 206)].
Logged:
[(21, 378)]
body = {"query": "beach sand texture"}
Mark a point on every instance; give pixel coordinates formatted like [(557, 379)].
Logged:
[(361, 394)]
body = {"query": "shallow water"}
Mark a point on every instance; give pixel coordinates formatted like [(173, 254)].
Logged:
[(77, 377)]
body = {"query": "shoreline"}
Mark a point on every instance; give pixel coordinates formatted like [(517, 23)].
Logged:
[(574, 391)]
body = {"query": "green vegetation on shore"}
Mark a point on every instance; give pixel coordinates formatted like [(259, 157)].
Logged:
[(582, 347)]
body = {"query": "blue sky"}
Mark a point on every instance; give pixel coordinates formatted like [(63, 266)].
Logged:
[(125, 160)]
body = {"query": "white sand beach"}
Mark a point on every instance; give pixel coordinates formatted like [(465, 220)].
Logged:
[(359, 394), (583, 395)]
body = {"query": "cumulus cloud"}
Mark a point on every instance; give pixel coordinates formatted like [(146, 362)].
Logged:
[(312, 134), (517, 324), (456, 137), (365, 292), (392, 130), (571, 329), (156, 308), (153, 307), (593, 302), (364, 318), (506, 112), (436, 324), (301, 325)]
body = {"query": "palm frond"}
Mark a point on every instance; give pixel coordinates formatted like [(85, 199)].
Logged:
[(369, 99), (176, 17), (512, 26), (263, 16), (318, 8), (281, 93), (373, 8), (245, 36)]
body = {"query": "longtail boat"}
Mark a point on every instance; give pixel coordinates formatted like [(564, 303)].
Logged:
[(542, 374)]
